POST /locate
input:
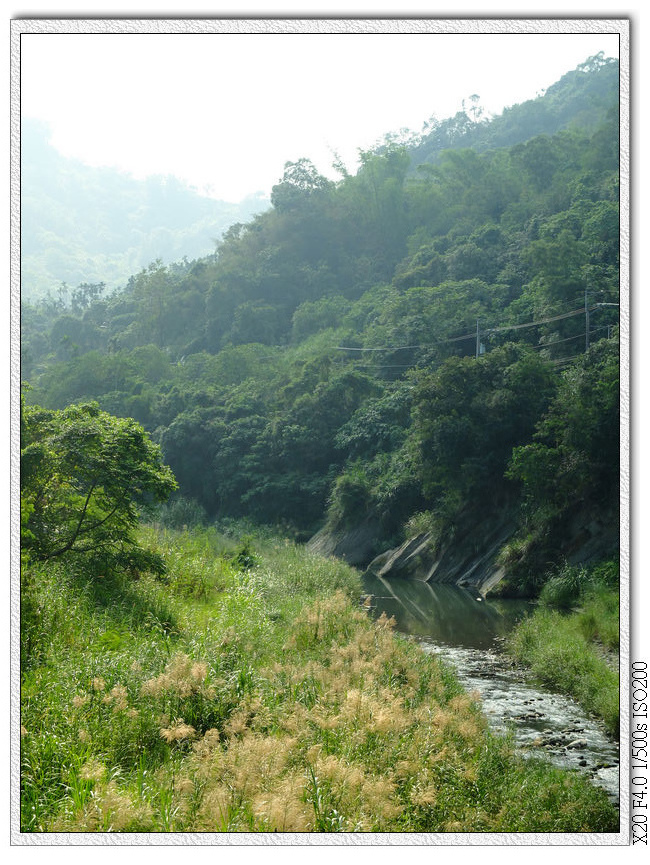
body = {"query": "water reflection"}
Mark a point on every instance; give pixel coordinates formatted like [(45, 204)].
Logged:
[(446, 614), (461, 627)]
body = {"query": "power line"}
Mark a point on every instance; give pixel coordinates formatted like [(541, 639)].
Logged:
[(388, 366), (465, 336), (404, 347), (487, 332), (564, 360), (480, 350), (542, 346), (535, 323)]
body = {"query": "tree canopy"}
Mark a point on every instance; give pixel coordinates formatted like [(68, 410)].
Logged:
[(379, 345), (85, 478)]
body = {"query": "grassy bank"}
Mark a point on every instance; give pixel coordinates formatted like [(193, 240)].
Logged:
[(248, 691), (571, 641)]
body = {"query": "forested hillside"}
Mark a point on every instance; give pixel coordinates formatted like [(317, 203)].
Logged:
[(433, 334), (98, 225)]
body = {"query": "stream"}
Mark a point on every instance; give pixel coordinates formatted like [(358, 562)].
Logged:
[(466, 630)]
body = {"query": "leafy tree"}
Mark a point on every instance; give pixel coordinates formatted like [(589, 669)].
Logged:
[(378, 425), (572, 466), (470, 413), (575, 454), (256, 322), (314, 316), (190, 444), (557, 265), (300, 182), (381, 204), (539, 159), (86, 294), (85, 477)]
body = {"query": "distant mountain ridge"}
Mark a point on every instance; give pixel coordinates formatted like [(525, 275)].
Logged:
[(89, 225), (82, 224), (581, 99)]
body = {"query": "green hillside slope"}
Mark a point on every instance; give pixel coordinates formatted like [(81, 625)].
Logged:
[(396, 346)]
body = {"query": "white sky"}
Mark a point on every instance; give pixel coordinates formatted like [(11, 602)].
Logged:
[(225, 111)]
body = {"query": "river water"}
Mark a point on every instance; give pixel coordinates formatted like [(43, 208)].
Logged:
[(467, 630)]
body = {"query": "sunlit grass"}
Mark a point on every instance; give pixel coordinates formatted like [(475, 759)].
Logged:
[(568, 650), (271, 703)]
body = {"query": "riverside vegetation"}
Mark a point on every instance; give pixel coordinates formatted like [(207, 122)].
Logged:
[(571, 642), (435, 333), (196, 681), (246, 690)]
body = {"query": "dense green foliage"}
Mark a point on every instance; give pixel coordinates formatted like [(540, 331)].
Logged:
[(578, 99), (407, 339), (85, 479), (573, 459), (257, 697)]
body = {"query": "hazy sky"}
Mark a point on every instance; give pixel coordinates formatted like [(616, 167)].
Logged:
[(226, 111)]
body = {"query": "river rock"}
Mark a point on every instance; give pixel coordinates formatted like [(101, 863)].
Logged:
[(356, 545), (529, 716), (411, 560), (467, 553), (467, 556)]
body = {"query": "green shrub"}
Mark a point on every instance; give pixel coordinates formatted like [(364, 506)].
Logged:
[(351, 497), (180, 512), (563, 589), (599, 616)]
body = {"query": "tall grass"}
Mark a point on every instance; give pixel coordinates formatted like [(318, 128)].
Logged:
[(566, 642), (252, 693)]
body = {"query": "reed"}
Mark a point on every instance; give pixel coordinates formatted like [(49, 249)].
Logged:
[(271, 704)]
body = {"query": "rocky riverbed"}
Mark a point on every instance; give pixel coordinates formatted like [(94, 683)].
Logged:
[(542, 723)]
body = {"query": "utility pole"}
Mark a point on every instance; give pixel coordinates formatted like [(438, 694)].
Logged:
[(478, 340), (586, 321)]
